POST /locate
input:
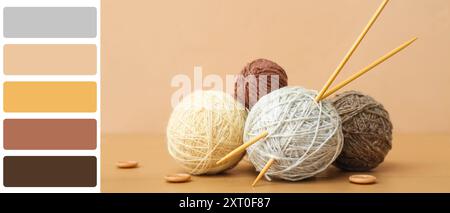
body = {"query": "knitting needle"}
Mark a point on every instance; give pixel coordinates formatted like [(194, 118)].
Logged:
[(263, 171), (339, 68), (344, 83), (351, 51), (242, 148), (366, 69)]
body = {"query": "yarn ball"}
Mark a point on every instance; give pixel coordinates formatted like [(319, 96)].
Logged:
[(203, 128), (257, 79), (304, 138), (367, 131)]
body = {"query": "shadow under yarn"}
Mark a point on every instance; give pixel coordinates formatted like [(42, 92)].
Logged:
[(367, 131)]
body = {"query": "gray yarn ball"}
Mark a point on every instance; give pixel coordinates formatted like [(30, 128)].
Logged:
[(367, 131)]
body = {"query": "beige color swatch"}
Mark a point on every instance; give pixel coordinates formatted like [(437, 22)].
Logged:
[(50, 59)]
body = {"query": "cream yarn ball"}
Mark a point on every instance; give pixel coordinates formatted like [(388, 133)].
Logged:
[(203, 128), (304, 138)]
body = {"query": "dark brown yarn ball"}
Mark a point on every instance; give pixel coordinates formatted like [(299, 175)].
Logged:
[(250, 86), (367, 131)]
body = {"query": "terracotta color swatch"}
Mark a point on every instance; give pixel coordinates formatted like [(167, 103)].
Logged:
[(50, 171), (50, 59), (49, 134), (50, 96)]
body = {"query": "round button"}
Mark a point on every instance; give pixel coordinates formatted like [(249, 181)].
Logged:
[(362, 179)]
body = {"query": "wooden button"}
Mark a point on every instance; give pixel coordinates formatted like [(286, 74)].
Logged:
[(362, 179), (178, 178), (127, 164)]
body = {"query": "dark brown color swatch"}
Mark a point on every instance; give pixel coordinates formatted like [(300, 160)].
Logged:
[(50, 134), (50, 171)]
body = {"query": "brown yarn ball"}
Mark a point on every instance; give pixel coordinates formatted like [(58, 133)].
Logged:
[(248, 89), (367, 131)]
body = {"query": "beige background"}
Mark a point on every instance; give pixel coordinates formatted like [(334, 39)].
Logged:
[(146, 42)]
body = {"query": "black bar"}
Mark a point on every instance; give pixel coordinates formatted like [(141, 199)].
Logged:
[(235, 201)]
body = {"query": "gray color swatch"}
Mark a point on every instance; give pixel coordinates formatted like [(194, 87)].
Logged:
[(50, 22)]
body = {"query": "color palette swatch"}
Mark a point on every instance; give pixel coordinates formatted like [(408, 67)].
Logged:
[(50, 96), (52, 134), (50, 59), (50, 22), (49, 171), (50, 93)]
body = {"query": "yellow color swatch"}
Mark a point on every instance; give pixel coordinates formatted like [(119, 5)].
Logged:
[(50, 96)]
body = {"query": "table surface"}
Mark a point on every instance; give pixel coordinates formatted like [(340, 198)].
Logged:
[(417, 163)]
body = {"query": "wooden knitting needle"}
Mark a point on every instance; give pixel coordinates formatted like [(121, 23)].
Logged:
[(344, 83), (338, 69), (366, 69), (242, 148), (351, 51), (263, 171)]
